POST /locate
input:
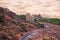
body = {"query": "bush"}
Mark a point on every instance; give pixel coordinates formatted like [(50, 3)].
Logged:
[(2, 20), (1, 10), (22, 17)]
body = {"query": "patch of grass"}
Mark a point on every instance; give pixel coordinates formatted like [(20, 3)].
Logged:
[(52, 20)]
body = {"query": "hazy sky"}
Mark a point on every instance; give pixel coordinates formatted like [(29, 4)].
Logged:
[(44, 7)]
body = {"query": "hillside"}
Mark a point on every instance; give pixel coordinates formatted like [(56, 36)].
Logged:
[(11, 27)]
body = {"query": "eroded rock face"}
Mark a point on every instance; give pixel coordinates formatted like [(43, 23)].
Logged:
[(6, 22), (11, 25), (13, 28), (7, 31)]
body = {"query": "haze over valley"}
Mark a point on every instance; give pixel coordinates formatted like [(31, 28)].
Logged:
[(47, 8)]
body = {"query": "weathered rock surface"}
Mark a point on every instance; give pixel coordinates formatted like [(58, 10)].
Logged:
[(11, 26)]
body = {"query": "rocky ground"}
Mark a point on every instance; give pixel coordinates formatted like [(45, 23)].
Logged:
[(13, 28), (49, 32)]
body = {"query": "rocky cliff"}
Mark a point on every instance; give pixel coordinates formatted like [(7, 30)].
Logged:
[(11, 27)]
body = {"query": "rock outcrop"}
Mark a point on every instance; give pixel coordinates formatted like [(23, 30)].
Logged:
[(11, 26)]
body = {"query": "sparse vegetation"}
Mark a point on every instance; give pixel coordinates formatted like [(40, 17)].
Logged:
[(23, 28), (52, 20), (2, 21), (1, 10), (22, 17), (12, 30)]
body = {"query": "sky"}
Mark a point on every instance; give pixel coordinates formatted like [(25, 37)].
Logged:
[(47, 8)]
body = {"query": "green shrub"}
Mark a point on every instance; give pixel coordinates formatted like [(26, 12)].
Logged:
[(1, 20), (22, 17), (52, 20)]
